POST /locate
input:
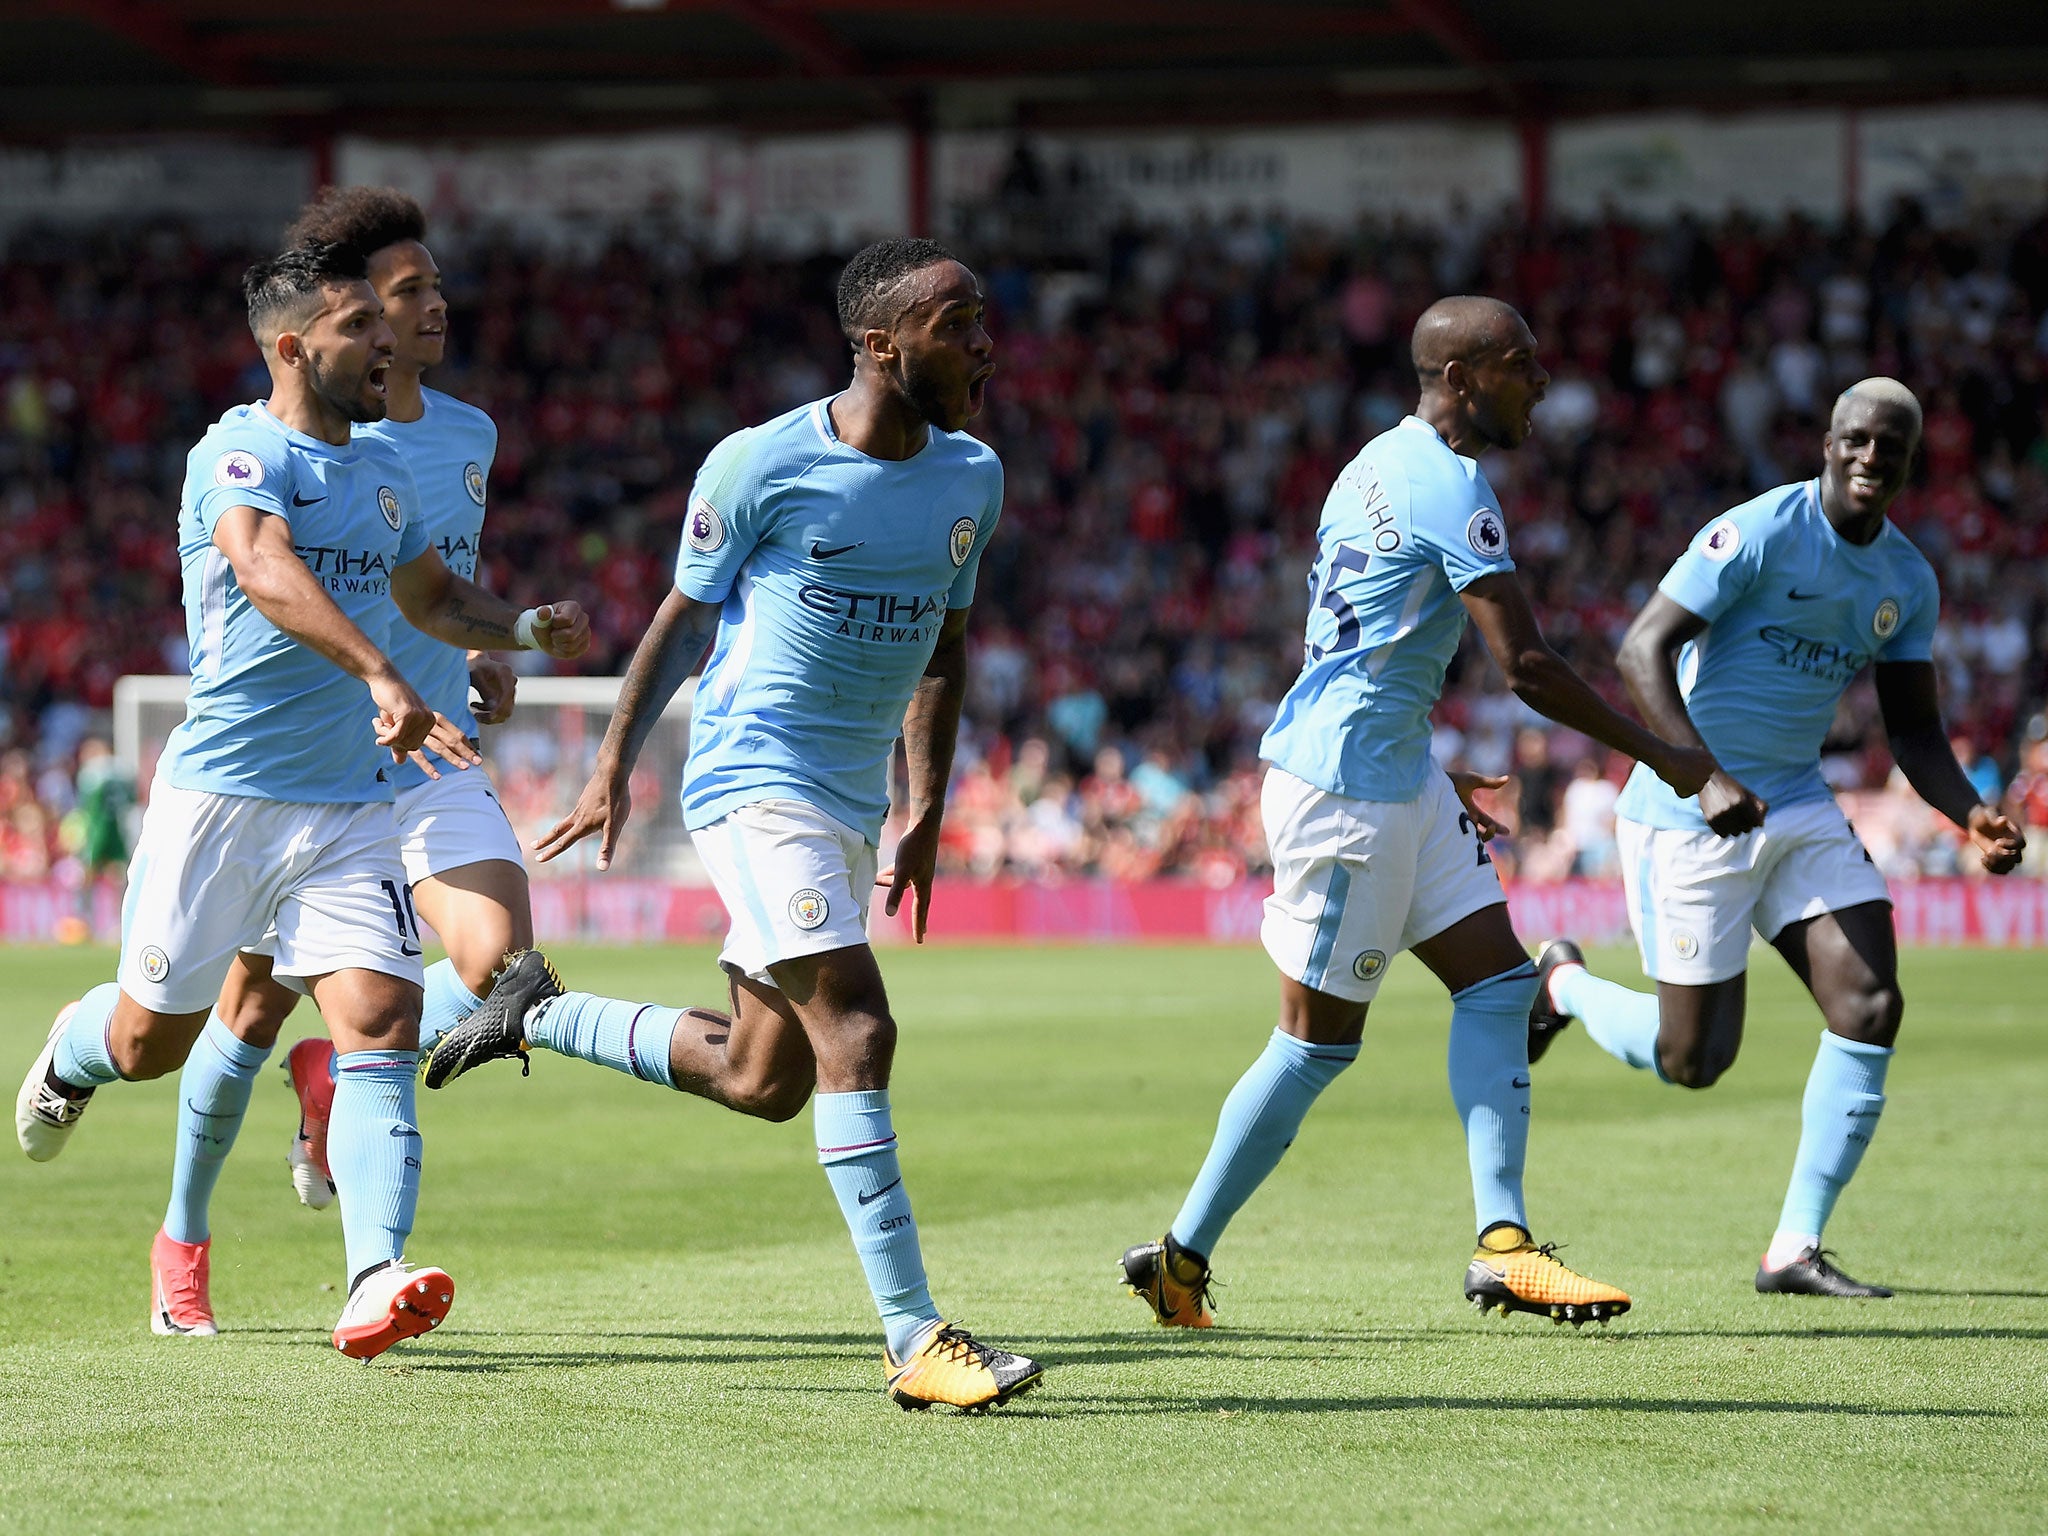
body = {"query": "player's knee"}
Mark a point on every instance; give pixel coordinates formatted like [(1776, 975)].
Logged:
[(392, 1029), (1870, 1015), (256, 1018), (1690, 1067)]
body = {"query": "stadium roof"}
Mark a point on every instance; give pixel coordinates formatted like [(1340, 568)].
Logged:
[(495, 66)]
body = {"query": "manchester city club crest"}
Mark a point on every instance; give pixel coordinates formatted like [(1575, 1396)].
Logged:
[(808, 908), (1684, 943), (238, 468), (473, 481), (387, 503), (1885, 620), (704, 530), (156, 965), (963, 541), (1367, 967)]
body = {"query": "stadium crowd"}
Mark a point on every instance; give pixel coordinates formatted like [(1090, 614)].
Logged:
[(1170, 415)]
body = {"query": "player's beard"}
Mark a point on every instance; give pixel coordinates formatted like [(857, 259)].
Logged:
[(921, 386), (355, 404)]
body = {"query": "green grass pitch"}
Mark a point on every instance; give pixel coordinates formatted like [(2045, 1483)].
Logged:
[(661, 1324)]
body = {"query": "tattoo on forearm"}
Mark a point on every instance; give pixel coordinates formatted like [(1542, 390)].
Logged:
[(661, 664), (472, 623)]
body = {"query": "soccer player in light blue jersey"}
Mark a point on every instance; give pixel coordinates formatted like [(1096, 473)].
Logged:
[(270, 820), (461, 856), (1746, 647), (1375, 850), (830, 556)]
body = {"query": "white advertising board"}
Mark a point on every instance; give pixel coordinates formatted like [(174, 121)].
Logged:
[(798, 193), (1956, 160), (223, 186), (1656, 165), (1333, 174)]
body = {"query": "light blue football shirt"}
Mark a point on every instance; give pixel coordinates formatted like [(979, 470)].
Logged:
[(266, 717), (1406, 528), (1794, 611), (834, 571), (449, 451)]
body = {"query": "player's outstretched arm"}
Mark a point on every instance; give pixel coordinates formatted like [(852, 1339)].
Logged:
[(1648, 662), (1907, 695), (931, 727), (258, 547), (665, 657), (460, 613), (1544, 681)]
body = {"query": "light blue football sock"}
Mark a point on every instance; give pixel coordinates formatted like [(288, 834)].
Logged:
[(1258, 1123), (373, 1152), (1620, 1020), (857, 1145), (627, 1037), (446, 1004), (1844, 1097), (1489, 1065), (213, 1095), (82, 1057)]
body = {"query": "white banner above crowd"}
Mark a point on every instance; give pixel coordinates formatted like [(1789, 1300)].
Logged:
[(797, 194), (1421, 170), (226, 186), (830, 191)]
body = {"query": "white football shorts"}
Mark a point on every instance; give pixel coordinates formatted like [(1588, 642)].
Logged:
[(794, 881), (1693, 896), (451, 821), (1355, 882), (320, 887)]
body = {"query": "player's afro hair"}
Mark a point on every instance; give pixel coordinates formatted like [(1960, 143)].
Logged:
[(874, 270), (282, 285), (368, 218)]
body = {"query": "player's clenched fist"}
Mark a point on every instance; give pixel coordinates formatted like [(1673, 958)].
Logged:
[(561, 630), (1997, 838)]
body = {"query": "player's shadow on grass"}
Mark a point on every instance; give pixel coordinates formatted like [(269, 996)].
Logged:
[(1918, 1290), (1114, 1406)]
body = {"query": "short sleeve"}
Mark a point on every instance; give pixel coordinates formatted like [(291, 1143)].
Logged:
[(724, 522), (961, 593), (412, 532), (1912, 638), (1457, 523), (247, 469), (1722, 562)]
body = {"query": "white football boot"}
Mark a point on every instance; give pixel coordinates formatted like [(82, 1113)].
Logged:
[(392, 1304), (43, 1117)]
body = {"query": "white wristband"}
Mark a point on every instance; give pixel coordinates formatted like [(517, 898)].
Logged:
[(523, 629)]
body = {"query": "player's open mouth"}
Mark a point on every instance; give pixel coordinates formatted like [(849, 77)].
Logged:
[(977, 386), (377, 373)]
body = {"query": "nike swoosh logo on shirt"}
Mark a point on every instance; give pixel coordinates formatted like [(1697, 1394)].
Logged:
[(1798, 596), (820, 552), (305, 501)]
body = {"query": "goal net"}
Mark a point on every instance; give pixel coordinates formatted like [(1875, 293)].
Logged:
[(538, 761)]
